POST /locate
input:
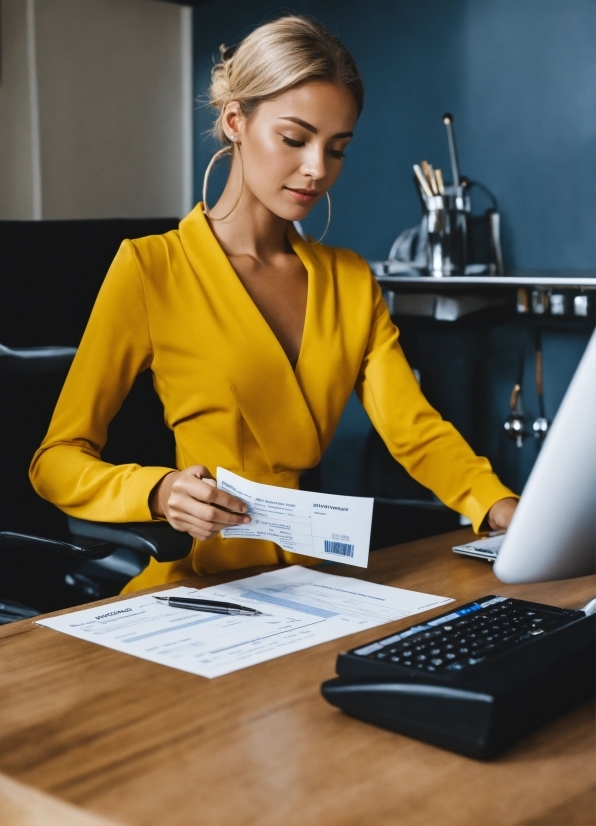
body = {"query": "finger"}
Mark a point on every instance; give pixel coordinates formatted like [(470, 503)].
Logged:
[(213, 529), (186, 506), (201, 472), (199, 530), (207, 492)]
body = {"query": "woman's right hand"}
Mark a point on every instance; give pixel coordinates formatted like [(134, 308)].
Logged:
[(191, 501)]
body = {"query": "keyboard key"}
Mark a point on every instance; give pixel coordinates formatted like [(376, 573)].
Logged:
[(437, 661)]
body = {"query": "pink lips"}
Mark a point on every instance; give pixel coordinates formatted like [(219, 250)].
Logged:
[(303, 196)]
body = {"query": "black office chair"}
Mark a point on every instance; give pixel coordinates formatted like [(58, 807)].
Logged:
[(49, 562), (54, 270)]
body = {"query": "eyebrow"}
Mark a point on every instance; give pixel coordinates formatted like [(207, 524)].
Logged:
[(314, 129)]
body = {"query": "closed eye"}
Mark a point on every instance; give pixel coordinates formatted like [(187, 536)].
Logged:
[(293, 143), (335, 153)]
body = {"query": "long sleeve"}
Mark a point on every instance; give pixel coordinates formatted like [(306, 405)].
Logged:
[(429, 448), (68, 469)]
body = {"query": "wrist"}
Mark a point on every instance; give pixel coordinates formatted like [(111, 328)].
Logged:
[(501, 513), (159, 496)]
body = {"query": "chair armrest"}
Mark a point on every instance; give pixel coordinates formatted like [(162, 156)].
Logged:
[(158, 539), (35, 359), (80, 547)]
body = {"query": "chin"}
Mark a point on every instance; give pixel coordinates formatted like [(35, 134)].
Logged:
[(288, 211)]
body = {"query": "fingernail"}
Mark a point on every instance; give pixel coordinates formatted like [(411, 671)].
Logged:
[(246, 519), (244, 509)]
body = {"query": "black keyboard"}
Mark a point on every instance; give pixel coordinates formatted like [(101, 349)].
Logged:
[(475, 679), (468, 636)]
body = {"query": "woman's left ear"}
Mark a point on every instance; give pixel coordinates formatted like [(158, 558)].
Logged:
[(233, 119)]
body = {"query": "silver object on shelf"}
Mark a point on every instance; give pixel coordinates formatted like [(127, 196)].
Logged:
[(558, 304), (494, 223), (581, 305), (539, 302), (522, 303), (447, 233)]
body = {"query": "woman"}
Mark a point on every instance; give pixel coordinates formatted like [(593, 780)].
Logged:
[(255, 337)]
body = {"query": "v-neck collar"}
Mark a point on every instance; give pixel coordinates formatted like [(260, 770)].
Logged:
[(196, 233), (273, 397)]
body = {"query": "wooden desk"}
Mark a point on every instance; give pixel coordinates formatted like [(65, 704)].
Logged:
[(143, 744), (21, 805)]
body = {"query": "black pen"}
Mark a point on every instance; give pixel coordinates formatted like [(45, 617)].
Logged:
[(211, 606)]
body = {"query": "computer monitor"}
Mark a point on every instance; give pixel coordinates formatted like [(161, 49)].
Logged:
[(553, 532)]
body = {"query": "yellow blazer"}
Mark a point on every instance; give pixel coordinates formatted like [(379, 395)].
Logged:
[(172, 303)]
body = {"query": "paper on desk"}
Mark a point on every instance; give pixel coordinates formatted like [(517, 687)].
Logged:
[(301, 608), (316, 524)]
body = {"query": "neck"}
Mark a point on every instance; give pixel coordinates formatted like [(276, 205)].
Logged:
[(250, 229)]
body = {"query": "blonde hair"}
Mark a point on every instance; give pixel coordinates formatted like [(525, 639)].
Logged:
[(276, 57)]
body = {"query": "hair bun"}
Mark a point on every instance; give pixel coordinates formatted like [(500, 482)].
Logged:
[(227, 52), (276, 57), (219, 91)]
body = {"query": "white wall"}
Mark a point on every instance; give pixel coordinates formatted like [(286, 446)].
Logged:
[(16, 185), (114, 107)]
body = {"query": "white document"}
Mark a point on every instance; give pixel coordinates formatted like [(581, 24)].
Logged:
[(301, 608), (316, 524)]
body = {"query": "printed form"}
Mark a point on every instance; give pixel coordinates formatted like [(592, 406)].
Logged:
[(301, 608), (316, 524)]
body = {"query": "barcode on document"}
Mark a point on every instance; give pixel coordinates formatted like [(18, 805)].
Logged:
[(339, 548)]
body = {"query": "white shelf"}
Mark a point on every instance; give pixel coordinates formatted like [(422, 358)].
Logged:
[(548, 279)]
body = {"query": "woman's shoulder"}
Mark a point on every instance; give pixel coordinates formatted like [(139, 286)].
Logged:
[(343, 260), (351, 273), (155, 251)]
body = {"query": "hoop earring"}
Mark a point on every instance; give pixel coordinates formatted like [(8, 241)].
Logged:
[(226, 150), (318, 241)]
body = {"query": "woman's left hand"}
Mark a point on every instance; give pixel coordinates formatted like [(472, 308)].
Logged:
[(501, 514)]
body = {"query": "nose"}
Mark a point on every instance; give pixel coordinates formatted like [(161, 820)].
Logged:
[(313, 163)]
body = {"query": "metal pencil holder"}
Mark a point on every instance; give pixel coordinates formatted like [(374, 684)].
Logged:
[(447, 245)]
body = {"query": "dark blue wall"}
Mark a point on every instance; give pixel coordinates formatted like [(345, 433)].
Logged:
[(519, 77)]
